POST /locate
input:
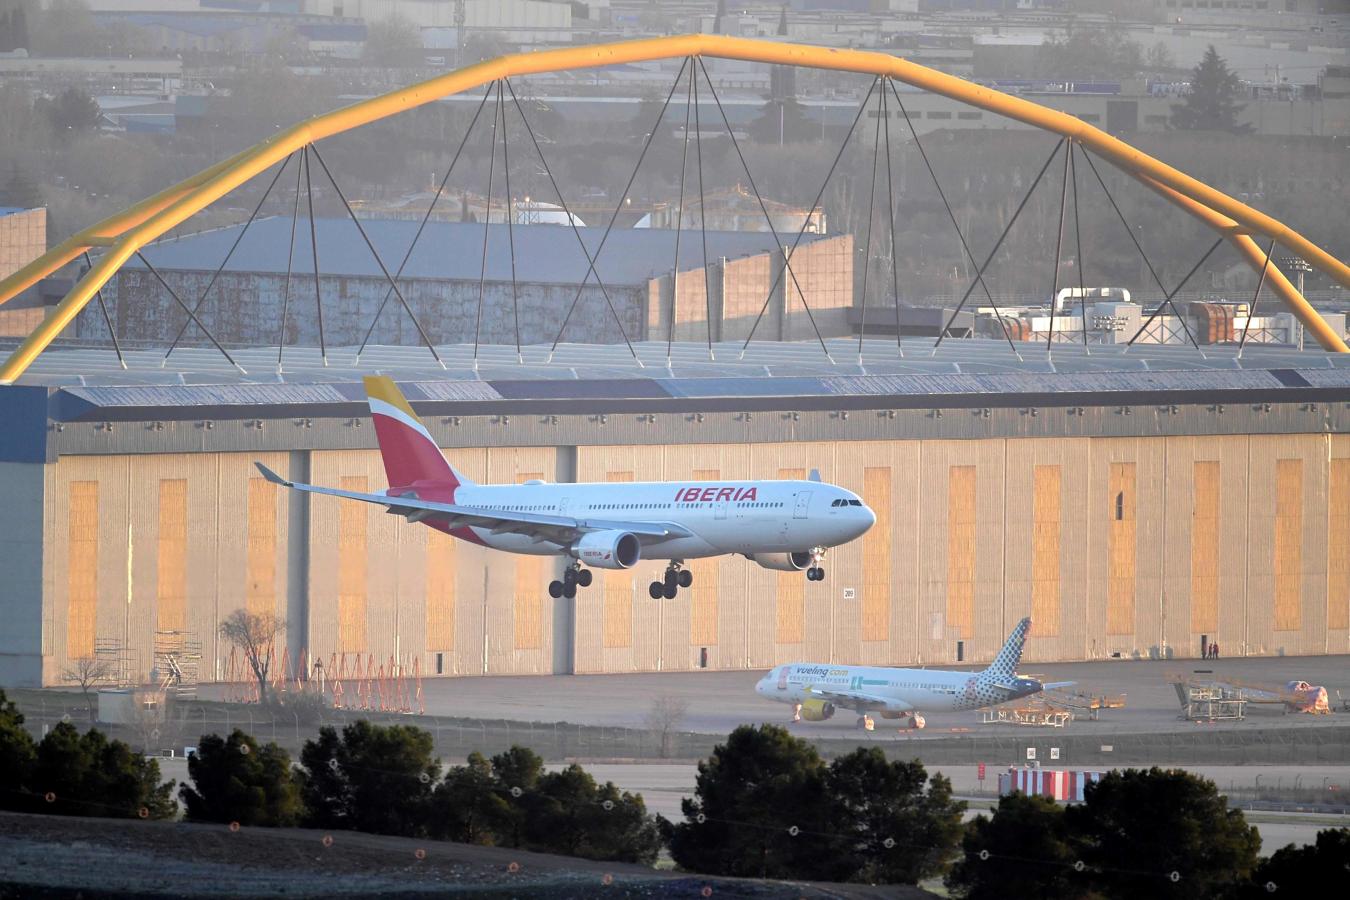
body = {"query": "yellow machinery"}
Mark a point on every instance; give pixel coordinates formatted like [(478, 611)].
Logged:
[(124, 234)]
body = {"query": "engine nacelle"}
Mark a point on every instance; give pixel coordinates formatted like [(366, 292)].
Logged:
[(817, 710), (784, 562), (916, 722), (608, 549)]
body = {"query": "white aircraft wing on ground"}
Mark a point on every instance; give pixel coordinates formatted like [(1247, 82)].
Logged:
[(854, 699)]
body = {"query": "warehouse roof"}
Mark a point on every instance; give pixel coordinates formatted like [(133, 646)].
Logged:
[(545, 254)]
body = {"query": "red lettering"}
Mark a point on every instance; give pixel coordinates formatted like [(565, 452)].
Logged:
[(707, 495), (725, 493), (684, 495), (750, 494)]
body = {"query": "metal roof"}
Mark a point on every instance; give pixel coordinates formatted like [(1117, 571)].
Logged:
[(971, 372), (545, 254)]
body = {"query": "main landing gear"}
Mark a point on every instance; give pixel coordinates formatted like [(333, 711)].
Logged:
[(816, 572), (677, 576), (574, 577)]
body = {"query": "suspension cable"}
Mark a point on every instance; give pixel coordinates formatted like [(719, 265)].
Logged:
[(191, 315), (703, 219), (1167, 301), (290, 259), (510, 225), (378, 261), (1251, 313), (890, 210), (314, 248), (1142, 255), (651, 135), (440, 189), (225, 262), (871, 215), (679, 221), (107, 319), (571, 219), (1059, 247), (979, 273), (806, 221), (960, 235), (487, 224), (1078, 244)]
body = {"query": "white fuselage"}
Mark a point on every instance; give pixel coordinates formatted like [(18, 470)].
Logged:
[(895, 690), (722, 517)]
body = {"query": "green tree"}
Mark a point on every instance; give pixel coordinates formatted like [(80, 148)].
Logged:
[(1090, 53), (373, 778), (896, 831), (1136, 827), (235, 780), (1212, 103), (1304, 871), (72, 110), (753, 800), (88, 775), (569, 814), (1029, 853), (393, 43), (17, 756), (516, 774), (469, 806)]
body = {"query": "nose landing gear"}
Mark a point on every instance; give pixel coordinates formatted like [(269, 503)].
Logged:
[(676, 577), (573, 577)]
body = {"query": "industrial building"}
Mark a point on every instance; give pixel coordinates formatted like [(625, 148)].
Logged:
[(531, 289), (23, 237), (1136, 503)]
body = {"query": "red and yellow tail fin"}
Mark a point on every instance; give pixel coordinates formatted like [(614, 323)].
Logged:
[(408, 451)]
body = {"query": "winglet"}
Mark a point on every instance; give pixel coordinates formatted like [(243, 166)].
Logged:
[(272, 476), (814, 476)]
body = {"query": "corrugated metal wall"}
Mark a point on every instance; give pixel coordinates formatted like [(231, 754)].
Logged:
[(1134, 546)]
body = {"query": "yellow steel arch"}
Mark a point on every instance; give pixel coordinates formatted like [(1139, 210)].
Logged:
[(128, 231)]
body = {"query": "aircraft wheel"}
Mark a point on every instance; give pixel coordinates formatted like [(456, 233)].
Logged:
[(555, 589), (584, 577), (656, 589), (570, 590), (820, 573), (669, 590), (685, 578)]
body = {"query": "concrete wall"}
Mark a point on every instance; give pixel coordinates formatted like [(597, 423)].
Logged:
[(1117, 545), (247, 309), (23, 640)]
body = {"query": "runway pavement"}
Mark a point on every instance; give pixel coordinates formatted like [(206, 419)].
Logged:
[(720, 701)]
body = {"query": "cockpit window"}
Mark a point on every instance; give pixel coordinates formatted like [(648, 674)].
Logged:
[(837, 503), (855, 503)]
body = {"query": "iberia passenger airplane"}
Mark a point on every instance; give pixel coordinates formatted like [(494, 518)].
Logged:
[(816, 690), (783, 525)]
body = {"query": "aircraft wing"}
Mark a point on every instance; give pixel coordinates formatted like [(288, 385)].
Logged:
[(555, 529), (1057, 685), (853, 699)]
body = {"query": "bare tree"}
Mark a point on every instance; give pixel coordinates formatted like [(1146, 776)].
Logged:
[(664, 720), (254, 634), (88, 671)]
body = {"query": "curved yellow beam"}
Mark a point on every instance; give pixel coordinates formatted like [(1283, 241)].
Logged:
[(104, 233), (1256, 258), (139, 225)]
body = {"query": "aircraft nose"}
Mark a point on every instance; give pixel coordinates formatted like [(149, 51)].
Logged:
[(869, 518)]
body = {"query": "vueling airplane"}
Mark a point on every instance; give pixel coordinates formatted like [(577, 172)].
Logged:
[(783, 525), (816, 691)]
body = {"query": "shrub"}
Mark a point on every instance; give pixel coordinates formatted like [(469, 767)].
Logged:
[(235, 780)]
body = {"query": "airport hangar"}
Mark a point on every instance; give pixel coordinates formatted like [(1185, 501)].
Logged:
[(1132, 502)]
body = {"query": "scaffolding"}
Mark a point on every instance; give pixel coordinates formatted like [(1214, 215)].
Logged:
[(1035, 714), (1210, 702), (178, 657)]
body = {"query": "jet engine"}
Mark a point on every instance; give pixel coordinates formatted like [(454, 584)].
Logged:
[(817, 710), (608, 549), (784, 562), (916, 721)]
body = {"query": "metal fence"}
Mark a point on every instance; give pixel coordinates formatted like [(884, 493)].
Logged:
[(455, 738)]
